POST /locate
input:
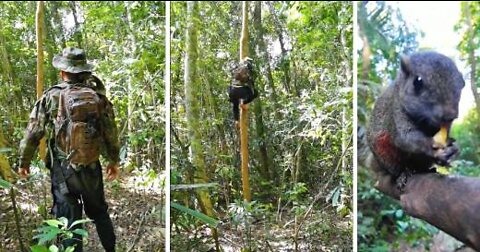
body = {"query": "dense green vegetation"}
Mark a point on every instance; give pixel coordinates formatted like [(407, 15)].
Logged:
[(126, 42), (300, 130)]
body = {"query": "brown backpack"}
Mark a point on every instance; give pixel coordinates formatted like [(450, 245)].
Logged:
[(78, 132)]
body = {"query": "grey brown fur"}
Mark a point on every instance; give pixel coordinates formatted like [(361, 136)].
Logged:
[(424, 96)]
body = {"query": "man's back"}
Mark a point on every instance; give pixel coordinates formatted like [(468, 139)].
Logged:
[(44, 117), (79, 124)]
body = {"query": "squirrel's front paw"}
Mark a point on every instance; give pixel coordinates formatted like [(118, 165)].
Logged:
[(443, 156)]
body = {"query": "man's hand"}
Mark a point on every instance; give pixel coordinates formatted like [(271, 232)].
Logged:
[(112, 171), (24, 172)]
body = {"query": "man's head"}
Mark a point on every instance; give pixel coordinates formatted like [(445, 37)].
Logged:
[(72, 60)]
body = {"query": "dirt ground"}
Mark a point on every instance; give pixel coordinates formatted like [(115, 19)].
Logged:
[(136, 206), (323, 231)]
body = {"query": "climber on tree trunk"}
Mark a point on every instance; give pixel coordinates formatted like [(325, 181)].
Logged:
[(242, 87)]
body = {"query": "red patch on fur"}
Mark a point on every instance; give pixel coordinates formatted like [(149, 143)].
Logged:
[(385, 148)]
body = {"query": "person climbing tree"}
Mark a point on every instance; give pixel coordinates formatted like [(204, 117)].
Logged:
[(242, 90)]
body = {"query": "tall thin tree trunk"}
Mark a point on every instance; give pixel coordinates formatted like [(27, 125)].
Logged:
[(244, 110), (57, 23), (262, 48), (260, 127), (133, 54), (285, 63), (78, 31), (5, 169), (193, 111), (40, 71), (212, 105), (9, 72), (348, 83), (51, 75)]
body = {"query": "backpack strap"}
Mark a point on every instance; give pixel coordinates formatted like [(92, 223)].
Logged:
[(61, 85), (99, 86)]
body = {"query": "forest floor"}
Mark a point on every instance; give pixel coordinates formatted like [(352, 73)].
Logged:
[(136, 206), (323, 231)]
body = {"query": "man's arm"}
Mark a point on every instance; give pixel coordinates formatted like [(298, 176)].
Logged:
[(34, 132), (112, 145)]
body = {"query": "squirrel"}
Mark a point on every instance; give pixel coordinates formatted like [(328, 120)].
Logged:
[(423, 99)]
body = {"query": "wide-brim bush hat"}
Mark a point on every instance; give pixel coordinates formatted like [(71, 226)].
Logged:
[(72, 60)]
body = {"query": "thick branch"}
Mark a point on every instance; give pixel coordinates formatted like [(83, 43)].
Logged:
[(450, 203)]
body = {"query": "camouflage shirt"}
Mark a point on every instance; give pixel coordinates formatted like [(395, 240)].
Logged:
[(41, 123)]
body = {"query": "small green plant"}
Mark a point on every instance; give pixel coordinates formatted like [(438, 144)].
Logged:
[(57, 229)]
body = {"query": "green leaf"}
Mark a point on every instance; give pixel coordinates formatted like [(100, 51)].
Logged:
[(81, 232), (402, 225), (5, 149), (191, 186), (64, 222), (399, 213), (53, 248), (5, 184), (79, 222), (70, 249), (39, 248), (68, 235), (336, 197), (46, 229), (53, 223), (46, 237), (207, 219)]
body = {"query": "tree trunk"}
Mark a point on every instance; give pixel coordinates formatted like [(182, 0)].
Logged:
[(193, 111), (50, 12), (285, 63), (7, 71), (133, 54), (244, 110), (471, 56), (348, 83), (78, 32), (57, 23), (212, 105), (262, 49), (42, 149), (259, 125), (244, 35), (5, 169)]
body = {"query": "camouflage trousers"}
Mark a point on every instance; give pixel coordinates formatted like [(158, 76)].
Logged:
[(85, 193)]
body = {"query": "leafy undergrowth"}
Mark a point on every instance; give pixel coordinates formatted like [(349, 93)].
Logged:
[(322, 231), (136, 206)]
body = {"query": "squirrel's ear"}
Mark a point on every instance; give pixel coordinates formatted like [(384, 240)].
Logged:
[(405, 64)]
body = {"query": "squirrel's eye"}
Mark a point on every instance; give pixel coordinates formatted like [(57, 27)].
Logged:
[(418, 83)]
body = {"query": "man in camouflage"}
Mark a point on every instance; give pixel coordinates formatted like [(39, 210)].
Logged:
[(84, 185)]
